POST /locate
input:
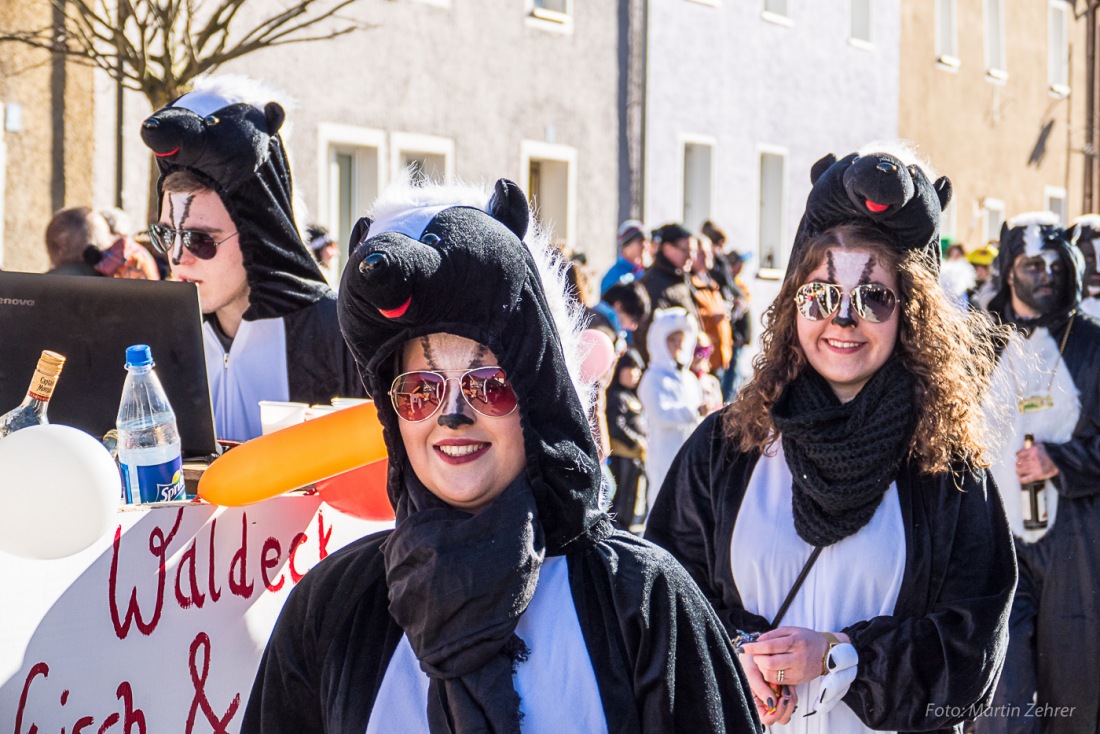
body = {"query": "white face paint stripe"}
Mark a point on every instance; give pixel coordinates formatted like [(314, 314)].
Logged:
[(179, 206), (1033, 240), (452, 351), (849, 269)]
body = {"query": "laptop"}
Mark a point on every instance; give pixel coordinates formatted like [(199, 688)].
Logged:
[(91, 321)]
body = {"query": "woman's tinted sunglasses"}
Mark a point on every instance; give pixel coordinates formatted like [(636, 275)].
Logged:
[(875, 303), (416, 396), (200, 244)]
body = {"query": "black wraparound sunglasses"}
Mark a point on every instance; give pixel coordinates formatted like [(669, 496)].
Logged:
[(200, 244)]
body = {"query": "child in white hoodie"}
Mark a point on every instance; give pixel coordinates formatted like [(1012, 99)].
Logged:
[(670, 393)]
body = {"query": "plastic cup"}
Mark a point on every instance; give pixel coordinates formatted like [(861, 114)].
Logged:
[(316, 411), (349, 402), (275, 415)]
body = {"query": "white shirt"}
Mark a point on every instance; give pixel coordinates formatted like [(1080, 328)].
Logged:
[(556, 685), (1025, 370), (253, 369), (854, 579)]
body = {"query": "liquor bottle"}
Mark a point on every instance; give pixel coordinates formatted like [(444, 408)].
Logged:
[(1033, 498), (32, 411), (148, 438)]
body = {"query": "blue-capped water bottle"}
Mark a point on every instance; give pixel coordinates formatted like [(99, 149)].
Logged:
[(148, 439)]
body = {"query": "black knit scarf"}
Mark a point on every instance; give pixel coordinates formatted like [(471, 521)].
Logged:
[(458, 584), (843, 456)]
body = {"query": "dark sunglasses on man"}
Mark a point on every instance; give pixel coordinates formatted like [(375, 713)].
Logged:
[(200, 244)]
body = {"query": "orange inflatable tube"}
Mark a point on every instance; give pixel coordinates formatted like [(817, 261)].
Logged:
[(294, 457)]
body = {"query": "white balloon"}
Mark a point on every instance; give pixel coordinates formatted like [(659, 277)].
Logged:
[(59, 491)]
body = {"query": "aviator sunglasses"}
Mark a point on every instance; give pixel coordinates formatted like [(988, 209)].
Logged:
[(416, 396), (875, 303), (200, 244)]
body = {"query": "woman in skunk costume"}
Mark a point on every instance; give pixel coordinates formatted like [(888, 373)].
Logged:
[(503, 601), (838, 505)]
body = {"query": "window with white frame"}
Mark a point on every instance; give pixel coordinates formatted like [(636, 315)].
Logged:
[(772, 212), (350, 177), (425, 157), (556, 12), (776, 11), (993, 216), (860, 30), (995, 40), (947, 33), (550, 180), (1054, 200), (1058, 46), (698, 182), (776, 7)]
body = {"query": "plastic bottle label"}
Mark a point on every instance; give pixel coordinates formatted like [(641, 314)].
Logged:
[(155, 483)]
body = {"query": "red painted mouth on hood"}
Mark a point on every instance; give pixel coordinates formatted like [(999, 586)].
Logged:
[(876, 208), (171, 152), (396, 313)]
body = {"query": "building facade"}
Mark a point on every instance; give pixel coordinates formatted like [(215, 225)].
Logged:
[(995, 94), (741, 98), (468, 90), (46, 140)]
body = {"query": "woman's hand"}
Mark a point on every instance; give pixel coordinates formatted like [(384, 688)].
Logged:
[(796, 651), (774, 704)]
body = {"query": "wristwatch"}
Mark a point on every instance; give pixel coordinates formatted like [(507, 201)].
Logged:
[(833, 641)]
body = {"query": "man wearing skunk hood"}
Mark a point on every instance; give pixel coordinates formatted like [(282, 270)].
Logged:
[(503, 600), (1047, 384), (226, 223)]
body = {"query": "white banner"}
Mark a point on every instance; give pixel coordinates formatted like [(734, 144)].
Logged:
[(159, 626)]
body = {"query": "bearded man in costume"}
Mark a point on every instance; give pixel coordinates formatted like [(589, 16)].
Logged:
[(1047, 387)]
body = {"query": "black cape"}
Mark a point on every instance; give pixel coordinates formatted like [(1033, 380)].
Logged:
[(1061, 571), (318, 363), (662, 660), (945, 642)]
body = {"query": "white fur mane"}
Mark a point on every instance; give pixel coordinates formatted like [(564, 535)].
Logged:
[(235, 88), (402, 197), (1048, 219), (1091, 221), (904, 150)]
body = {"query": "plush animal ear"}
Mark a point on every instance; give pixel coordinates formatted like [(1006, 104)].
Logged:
[(275, 116), (1073, 233), (1004, 231), (943, 191), (509, 207), (359, 233), (821, 166)]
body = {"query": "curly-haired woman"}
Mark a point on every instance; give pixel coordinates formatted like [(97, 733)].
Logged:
[(839, 505)]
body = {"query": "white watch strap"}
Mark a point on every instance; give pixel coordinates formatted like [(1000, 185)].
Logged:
[(842, 663)]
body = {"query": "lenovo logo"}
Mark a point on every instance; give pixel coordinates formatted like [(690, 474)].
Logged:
[(16, 301)]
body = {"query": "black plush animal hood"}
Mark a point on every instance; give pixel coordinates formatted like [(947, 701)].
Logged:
[(441, 259), (229, 141), (898, 199), (1031, 234)]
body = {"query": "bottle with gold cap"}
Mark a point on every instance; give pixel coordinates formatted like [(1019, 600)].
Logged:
[(32, 411)]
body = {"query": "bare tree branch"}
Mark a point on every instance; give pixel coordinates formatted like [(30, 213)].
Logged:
[(159, 47)]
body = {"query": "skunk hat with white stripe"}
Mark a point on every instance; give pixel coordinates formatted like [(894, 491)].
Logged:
[(1031, 234), (462, 261), (226, 134)]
